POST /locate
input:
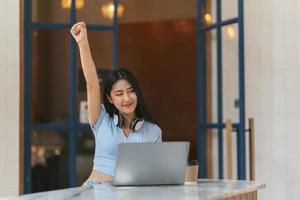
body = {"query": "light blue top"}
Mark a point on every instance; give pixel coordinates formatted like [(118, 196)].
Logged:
[(108, 135)]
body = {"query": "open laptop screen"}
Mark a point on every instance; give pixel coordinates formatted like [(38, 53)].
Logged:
[(151, 163)]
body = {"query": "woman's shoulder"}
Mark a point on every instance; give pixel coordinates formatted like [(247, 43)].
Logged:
[(103, 119), (153, 132), (152, 127)]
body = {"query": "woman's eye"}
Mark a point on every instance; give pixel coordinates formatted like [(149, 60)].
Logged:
[(118, 94)]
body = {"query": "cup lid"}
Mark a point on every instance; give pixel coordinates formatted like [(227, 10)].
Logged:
[(192, 162)]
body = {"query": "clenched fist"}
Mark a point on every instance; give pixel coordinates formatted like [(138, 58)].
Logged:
[(79, 32)]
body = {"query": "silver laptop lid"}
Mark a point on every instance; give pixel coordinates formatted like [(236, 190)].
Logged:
[(151, 163)]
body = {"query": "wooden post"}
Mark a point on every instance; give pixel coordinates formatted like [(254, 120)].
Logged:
[(209, 98), (21, 123), (229, 148), (252, 148)]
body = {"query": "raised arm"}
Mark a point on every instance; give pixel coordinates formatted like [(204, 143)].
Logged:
[(79, 33)]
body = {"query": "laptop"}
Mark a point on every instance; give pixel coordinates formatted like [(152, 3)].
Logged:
[(140, 164)]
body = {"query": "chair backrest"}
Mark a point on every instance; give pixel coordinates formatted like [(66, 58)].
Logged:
[(228, 141)]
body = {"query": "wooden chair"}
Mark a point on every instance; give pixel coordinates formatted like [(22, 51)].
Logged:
[(228, 141)]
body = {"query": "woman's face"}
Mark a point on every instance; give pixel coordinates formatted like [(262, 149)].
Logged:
[(123, 97)]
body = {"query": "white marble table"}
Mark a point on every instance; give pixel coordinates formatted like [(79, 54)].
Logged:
[(204, 190)]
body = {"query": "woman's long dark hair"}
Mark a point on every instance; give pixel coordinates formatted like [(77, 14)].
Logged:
[(123, 74)]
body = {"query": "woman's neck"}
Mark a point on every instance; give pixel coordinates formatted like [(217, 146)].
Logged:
[(128, 118)]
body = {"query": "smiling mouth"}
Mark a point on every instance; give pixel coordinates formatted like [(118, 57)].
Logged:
[(127, 105)]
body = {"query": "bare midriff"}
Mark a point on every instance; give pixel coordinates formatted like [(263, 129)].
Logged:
[(99, 176)]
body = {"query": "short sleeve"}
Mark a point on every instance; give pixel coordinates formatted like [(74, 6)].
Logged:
[(102, 116), (158, 137)]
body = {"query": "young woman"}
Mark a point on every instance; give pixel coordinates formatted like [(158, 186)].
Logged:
[(123, 117)]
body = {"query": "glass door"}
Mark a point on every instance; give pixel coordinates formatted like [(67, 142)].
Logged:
[(221, 90), (58, 142)]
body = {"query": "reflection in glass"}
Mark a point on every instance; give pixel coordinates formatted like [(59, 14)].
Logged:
[(208, 18), (92, 14), (50, 76), (211, 70), (157, 10), (214, 153), (230, 73), (85, 155), (49, 160), (231, 32), (49, 11), (108, 10), (66, 4), (101, 44), (229, 9), (210, 15)]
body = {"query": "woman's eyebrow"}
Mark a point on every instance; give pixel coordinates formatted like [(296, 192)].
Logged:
[(120, 90), (116, 91)]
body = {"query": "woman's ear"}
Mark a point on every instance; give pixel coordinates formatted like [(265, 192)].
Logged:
[(109, 99)]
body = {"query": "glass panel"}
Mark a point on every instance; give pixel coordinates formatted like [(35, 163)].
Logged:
[(51, 11), (214, 159), (157, 10), (230, 73), (49, 160), (50, 76), (211, 74), (210, 15), (85, 155), (229, 9), (101, 44), (95, 12)]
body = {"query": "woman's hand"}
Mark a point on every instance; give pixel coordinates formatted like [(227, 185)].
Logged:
[(79, 32)]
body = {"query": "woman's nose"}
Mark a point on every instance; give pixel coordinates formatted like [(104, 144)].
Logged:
[(127, 97)]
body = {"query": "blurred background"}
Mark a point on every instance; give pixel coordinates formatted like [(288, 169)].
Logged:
[(45, 141)]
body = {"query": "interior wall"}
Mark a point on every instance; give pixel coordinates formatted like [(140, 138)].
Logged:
[(162, 54), (10, 97), (272, 93)]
